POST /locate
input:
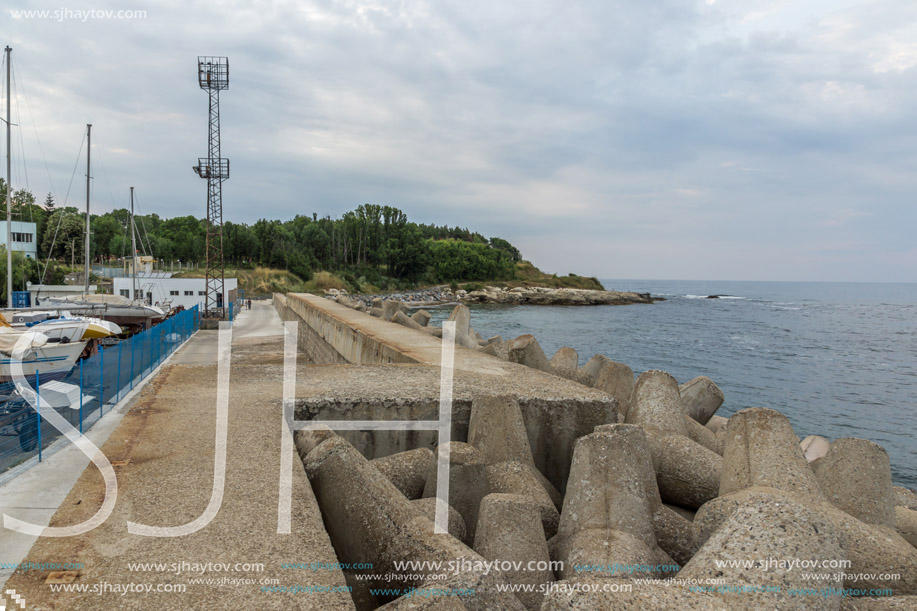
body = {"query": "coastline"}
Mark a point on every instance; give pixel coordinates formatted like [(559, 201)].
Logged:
[(533, 295)]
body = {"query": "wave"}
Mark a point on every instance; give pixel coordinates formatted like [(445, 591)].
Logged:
[(715, 297)]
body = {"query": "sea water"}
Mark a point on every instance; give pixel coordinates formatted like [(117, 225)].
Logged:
[(838, 359)]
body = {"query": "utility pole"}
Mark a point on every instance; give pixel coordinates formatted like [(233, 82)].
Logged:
[(133, 252), (88, 151), (9, 190), (213, 76)]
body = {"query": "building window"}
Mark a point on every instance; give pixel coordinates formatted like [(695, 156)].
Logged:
[(189, 292), (202, 293), (125, 293), (173, 292), (22, 237)]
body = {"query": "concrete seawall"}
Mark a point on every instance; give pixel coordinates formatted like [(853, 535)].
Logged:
[(385, 371)]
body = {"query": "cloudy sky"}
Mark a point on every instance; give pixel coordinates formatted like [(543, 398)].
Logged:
[(673, 139)]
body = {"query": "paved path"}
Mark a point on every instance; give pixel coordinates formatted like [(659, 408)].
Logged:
[(163, 451)]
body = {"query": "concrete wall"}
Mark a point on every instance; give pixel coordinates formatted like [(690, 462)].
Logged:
[(325, 338)]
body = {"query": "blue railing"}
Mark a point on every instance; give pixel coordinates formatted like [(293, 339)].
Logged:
[(103, 379)]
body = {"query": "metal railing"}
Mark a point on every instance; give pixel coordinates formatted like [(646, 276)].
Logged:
[(102, 379)]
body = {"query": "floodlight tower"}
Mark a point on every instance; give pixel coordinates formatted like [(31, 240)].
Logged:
[(213, 76)]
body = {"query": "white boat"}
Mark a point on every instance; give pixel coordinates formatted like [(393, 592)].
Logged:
[(51, 359)]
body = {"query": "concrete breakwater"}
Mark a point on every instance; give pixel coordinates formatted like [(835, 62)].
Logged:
[(611, 476), (535, 295)]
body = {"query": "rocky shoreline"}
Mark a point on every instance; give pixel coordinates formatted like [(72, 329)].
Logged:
[(534, 295)]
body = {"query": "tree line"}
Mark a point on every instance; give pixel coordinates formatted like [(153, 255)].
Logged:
[(371, 242)]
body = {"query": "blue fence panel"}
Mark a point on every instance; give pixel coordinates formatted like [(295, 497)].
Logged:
[(104, 379)]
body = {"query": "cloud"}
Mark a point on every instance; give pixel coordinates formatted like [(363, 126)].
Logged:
[(709, 137)]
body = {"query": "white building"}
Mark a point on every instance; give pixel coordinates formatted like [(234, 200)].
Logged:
[(24, 238), (157, 288)]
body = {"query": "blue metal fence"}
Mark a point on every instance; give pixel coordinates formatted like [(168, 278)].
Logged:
[(103, 379)]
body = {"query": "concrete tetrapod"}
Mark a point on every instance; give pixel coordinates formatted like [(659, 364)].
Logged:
[(497, 430), (785, 531), (906, 524), (762, 450), (509, 530), (856, 476), (520, 479), (814, 447), (467, 482), (700, 398), (565, 363), (421, 317), (370, 521), (407, 470), (427, 508), (687, 473), (617, 380), (607, 513), (462, 318), (905, 497), (656, 403), (526, 351)]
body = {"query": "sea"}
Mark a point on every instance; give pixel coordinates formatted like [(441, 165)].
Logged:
[(838, 359)]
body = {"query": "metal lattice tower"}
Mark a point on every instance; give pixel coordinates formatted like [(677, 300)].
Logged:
[(213, 76)]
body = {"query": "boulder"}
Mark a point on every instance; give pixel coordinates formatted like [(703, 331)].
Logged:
[(406, 470), (701, 398), (565, 362), (526, 351), (855, 476), (509, 530)]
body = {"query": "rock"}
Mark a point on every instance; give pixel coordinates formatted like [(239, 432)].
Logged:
[(427, 508), (509, 530), (762, 450), (701, 398), (814, 447), (520, 479), (406, 470), (716, 423), (906, 524), (656, 403), (467, 482), (905, 497), (526, 351), (855, 476), (421, 317), (565, 362)]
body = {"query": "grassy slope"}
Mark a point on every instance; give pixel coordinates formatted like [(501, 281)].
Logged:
[(264, 281)]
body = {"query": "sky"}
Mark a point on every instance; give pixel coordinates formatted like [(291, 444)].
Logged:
[(673, 139)]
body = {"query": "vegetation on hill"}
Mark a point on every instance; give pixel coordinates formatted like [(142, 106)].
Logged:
[(373, 248)]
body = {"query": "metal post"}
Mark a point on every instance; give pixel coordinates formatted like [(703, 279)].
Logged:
[(132, 362), (101, 379), (118, 382), (81, 396), (88, 177), (38, 412), (9, 192)]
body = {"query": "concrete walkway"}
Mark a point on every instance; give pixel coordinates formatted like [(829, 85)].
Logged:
[(163, 451)]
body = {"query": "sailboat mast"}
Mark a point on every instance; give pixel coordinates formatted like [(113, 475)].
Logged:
[(88, 151), (133, 252), (9, 191)]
